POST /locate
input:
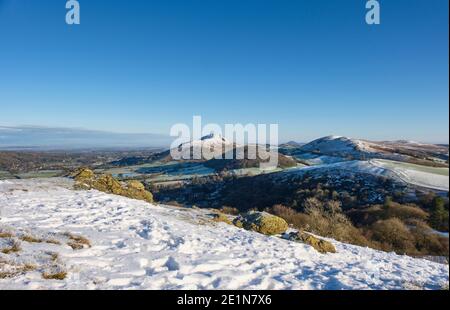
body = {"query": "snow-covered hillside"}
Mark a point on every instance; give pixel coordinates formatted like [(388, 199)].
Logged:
[(428, 177), (136, 245), (340, 146), (387, 158), (363, 149), (211, 141), (422, 176)]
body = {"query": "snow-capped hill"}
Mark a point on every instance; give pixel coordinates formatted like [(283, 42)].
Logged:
[(214, 137), (400, 150), (209, 141), (213, 143), (134, 244), (339, 146)]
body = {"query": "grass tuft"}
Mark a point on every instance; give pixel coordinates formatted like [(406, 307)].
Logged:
[(61, 275), (30, 239), (77, 242)]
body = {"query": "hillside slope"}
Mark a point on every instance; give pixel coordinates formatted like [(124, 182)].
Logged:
[(143, 246), (408, 151)]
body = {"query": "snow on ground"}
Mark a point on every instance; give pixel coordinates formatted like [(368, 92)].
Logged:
[(136, 245), (215, 144), (351, 165), (316, 159), (429, 177), (332, 145)]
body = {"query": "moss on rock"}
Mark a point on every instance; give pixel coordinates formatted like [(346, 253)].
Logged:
[(238, 222), (82, 173), (322, 246), (87, 179), (220, 217), (262, 222), (136, 190)]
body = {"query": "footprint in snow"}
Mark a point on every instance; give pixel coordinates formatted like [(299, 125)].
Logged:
[(172, 264)]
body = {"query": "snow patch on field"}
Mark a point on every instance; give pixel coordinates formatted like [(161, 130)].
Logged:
[(136, 245), (436, 178)]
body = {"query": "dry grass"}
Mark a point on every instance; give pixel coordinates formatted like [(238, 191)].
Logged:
[(16, 270), (53, 256), (323, 222), (6, 234), (77, 242), (229, 210), (13, 248), (29, 267), (60, 275), (30, 239), (53, 241), (8, 274)]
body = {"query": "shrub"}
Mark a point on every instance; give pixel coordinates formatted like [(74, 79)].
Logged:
[(439, 215), (403, 212), (322, 220), (394, 233)]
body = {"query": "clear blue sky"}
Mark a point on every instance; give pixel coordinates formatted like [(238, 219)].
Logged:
[(313, 66)]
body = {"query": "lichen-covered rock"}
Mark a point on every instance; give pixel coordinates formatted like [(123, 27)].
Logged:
[(87, 179), (82, 174), (136, 190), (83, 178), (262, 222), (322, 246), (106, 183), (220, 217), (238, 222), (135, 185)]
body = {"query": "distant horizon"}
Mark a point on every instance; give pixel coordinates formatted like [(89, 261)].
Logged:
[(60, 138)]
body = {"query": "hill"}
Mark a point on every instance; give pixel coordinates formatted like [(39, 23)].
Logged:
[(406, 151)]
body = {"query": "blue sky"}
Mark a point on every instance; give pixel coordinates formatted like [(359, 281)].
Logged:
[(314, 67)]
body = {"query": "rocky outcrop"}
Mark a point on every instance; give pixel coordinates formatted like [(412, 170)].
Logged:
[(136, 190), (322, 246), (87, 179), (261, 222)]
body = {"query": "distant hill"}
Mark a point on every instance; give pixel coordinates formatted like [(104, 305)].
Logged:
[(214, 143), (406, 151), (291, 144)]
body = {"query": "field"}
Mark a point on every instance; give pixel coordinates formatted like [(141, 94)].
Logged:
[(430, 177)]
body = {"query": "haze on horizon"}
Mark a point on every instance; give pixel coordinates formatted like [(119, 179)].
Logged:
[(313, 67), (47, 138)]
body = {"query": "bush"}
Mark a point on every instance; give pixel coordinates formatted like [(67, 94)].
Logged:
[(324, 220), (403, 212), (394, 234), (296, 219), (439, 215), (428, 243)]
